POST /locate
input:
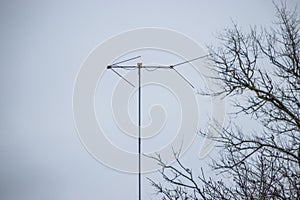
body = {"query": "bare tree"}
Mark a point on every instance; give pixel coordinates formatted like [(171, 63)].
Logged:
[(264, 164)]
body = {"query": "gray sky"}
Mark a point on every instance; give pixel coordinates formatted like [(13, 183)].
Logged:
[(43, 45)]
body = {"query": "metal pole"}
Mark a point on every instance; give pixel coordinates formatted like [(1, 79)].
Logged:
[(139, 120), (139, 66)]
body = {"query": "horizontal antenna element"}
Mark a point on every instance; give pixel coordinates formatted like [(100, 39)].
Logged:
[(139, 66), (125, 60), (181, 63)]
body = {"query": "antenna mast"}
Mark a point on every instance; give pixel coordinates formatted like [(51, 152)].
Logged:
[(139, 66)]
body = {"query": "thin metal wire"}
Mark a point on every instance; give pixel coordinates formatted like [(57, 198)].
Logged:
[(151, 70), (129, 69), (123, 67)]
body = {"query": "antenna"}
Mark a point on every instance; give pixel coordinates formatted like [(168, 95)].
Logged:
[(139, 66)]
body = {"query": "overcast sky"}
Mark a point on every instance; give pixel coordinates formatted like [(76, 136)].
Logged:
[(43, 46)]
